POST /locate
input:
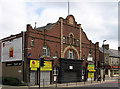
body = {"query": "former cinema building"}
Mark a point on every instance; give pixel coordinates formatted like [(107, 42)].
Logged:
[(70, 55)]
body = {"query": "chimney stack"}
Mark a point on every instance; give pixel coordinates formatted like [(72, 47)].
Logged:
[(106, 46), (119, 48)]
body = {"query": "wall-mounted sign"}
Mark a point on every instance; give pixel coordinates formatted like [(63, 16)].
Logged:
[(91, 67), (34, 64), (90, 75), (115, 66), (15, 63), (47, 67), (11, 50), (71, 67)]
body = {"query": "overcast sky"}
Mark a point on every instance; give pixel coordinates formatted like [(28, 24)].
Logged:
[(99, 18)]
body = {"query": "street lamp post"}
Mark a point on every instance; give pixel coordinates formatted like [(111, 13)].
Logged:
[(103, 62)]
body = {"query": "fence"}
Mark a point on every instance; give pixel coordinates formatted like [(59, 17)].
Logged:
[(46, 83)]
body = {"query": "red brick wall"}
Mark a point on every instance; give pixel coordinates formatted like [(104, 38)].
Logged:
[(53, 39)]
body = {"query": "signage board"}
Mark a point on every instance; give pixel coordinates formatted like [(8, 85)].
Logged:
[(11, 50), (92, 70), (90, 75), (34, 64), (15, 63), (115, 67), (91, 67), (47, 67)]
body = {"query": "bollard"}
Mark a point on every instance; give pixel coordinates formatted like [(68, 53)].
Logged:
[(84, 82)]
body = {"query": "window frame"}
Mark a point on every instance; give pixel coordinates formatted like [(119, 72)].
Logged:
[(67, 40), (46, 51), (70, 54), (32, 42), (55, 71), (77, 43), (64, 39), (106, 60), (71, 39)]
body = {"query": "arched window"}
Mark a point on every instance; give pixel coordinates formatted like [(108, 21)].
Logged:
[(67, 40), (71, 54), (32, 42), (64, 39), (46, 51), (71, 39)]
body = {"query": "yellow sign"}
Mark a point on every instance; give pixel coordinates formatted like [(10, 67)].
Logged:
[(34, 69), (34, 63), (47, 67), (90, 75), (91, 67), (92, 70)]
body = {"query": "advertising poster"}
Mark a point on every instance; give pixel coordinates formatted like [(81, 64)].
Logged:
[(11, 50)]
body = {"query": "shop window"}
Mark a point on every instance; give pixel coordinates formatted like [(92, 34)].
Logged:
[(32, 42), (46, 51), (64, 39), (71, 54), (67, 40), (71, 39), (116, 72)]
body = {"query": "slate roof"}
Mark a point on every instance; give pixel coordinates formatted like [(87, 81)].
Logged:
[(105, 51), (114, 53), (47, 27), (111, 52)]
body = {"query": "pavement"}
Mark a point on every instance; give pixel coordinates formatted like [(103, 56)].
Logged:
[(65, 85)]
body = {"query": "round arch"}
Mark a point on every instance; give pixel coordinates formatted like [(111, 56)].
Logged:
[(72, 47)]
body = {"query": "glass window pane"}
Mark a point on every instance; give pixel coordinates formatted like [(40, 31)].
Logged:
[(64, 39), (67, 40)]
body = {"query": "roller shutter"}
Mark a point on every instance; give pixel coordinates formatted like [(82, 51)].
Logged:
[(70, 76)]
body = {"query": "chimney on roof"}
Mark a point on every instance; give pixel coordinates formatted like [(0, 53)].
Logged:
[(119, 48), (106, 46)]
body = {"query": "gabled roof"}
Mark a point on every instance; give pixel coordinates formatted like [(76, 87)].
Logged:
[(47, 27), (114, 53), (111, 52), (105, 50)]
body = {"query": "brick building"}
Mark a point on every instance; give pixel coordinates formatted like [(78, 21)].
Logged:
[(74, 57), (111, 60)]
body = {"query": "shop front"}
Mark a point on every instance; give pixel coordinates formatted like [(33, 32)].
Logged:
[(45, 72), (91, 71), (70, 70), (114, 71)]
